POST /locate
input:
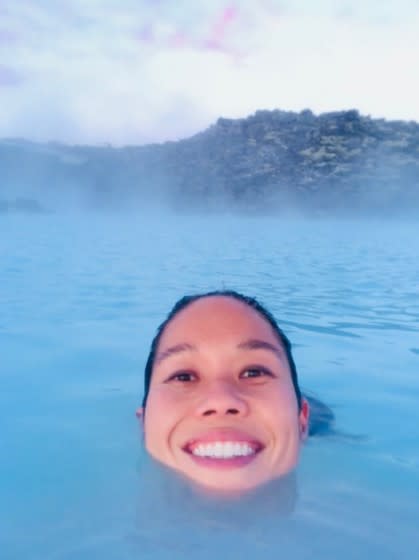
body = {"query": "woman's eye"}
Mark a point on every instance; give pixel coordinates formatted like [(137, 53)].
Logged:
[(183, 376), (253, 373)]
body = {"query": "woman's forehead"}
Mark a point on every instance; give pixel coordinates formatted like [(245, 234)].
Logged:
[(217, 316)]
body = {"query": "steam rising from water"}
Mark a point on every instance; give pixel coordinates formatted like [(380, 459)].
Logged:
[(187, 178)]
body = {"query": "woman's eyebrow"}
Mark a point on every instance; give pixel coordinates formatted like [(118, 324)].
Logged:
[(256, 344), (184, 347)]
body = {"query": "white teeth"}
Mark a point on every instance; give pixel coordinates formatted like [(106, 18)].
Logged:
[(223, 449)]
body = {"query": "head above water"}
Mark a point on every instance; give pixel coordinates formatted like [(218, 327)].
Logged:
[(222, 404), (247, 300)]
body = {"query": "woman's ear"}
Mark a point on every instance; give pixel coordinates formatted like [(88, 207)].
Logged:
[(139, 413), (304, 418)]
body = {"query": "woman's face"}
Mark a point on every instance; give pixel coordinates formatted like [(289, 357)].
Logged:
[(222, 408)]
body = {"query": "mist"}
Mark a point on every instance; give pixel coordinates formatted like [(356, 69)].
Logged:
[(272, 163)]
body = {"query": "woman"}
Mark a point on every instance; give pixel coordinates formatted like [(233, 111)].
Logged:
[(222, 402)]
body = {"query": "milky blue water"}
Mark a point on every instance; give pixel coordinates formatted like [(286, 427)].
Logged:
[(80, 298)]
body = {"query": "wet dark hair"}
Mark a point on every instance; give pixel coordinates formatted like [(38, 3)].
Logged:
[(250, 302)]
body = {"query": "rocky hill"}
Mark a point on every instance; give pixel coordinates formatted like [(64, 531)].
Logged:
[(272, 161)]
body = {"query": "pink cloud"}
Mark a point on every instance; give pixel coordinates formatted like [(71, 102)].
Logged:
[(215, 40), (217, 35), (179, 40), (220, 27), (230, 14)]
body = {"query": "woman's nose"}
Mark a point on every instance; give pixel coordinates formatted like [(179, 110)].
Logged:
[(222, 398)]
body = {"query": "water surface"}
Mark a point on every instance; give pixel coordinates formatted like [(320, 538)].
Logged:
[(80, 298)]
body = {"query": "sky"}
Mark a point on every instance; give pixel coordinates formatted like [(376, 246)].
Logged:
[(131, 72)]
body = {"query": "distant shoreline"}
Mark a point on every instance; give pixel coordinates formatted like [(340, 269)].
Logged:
[(339, 163)]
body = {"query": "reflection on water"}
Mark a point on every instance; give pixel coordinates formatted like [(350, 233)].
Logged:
[(80, 300)]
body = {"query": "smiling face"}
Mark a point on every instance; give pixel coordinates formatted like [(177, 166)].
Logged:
[(222, 407)]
